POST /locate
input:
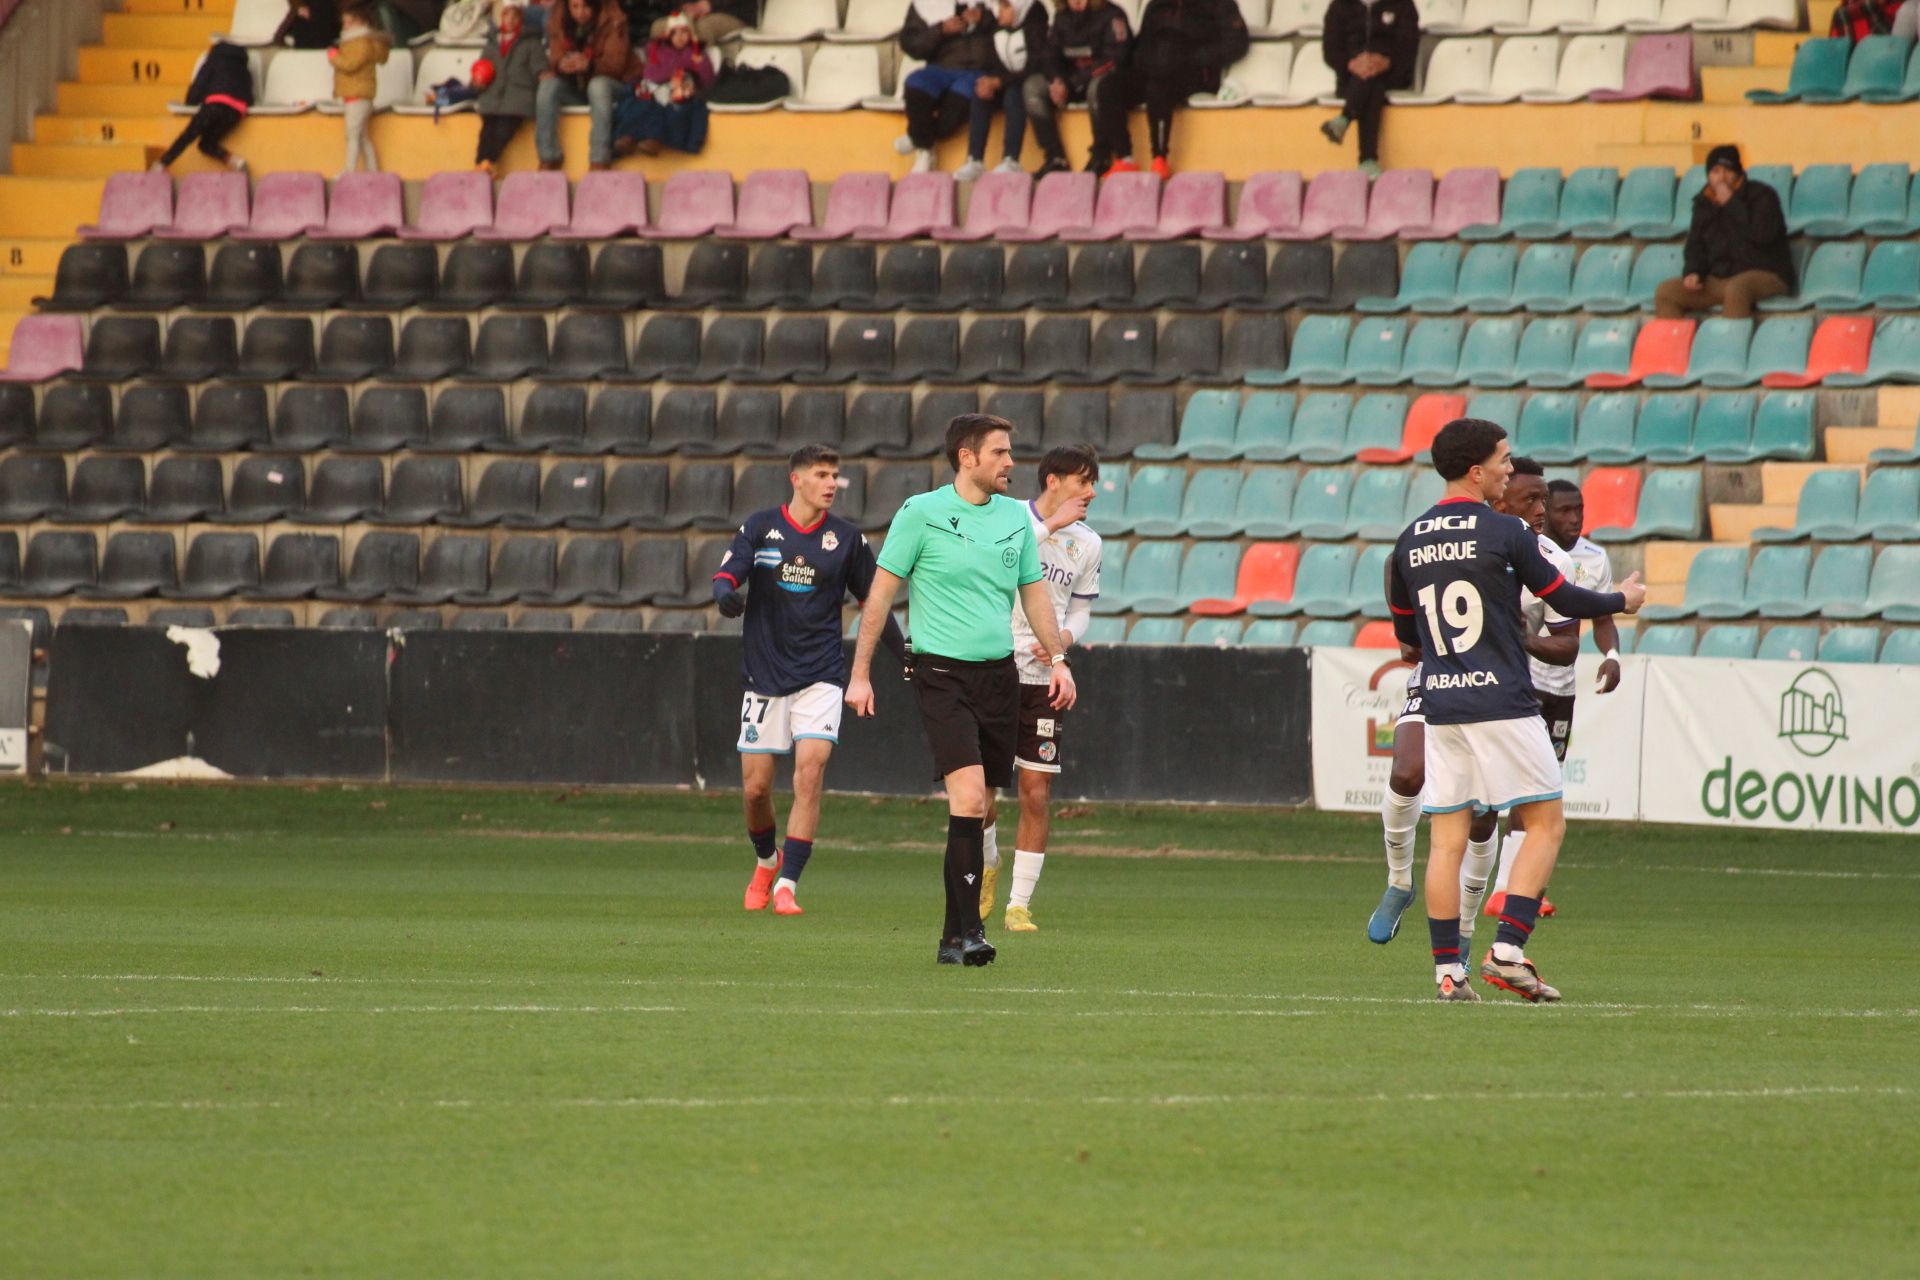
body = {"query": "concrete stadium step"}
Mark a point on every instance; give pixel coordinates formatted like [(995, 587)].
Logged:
[(222, 9), (33, 208), (173, 31), (141, 64), (1781, 482), (77, 130), (1728, 86), (1776, 48), (73, 98), (1736, 521), (32, 257), (99, 160), (1898, 405), (1665, 567), (1856, 444), (17, 292)]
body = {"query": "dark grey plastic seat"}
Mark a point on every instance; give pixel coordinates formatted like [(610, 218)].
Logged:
[(861, 346), (245, 275), (543, 620), (432, 348), (1233, 275), (88, 277), (761, 486), (421, 491), (181, 615), (167, 275), (553, 420), (731, 348), (264, 489), (31, 487), (321, 275), (796, 351), (103, 490), (1136, 418), (1059, 348), (1254, 340), (611, 620), (1369, 269), (808, 417), (851, 502), (234, 418), (877, 420), (570, 489), (586, 345), (588, 566), (927, 437), (844, 278), (343, 618), (701, 492), (716, 274), (275, 348), (182, 490), (749, 420), (151, 418), (1101, 277), (1026, 410), (260, 616), (74, 416), (218, 565), (928, 347), (509, 347), (1036, 277), (200, 347), (1169, 276), (477, 274), (345, 490), (415, 620), (553, 274), (703, 561), (620, 420), (298, 564), (93, 616), (1188, 347), (481, 620), (1301, 273), (353, 348), (627, 277), (399, 276), (651, 569), (17, 416), (382, 563), (58, 563), (909, 276), (465, 419), (452, 564), (1123, 346), (311, 418), (994, 350), (780, 277), (385, 419), (504, 489), (683, 422), (120, 348), (522, 564), (635, 492), (669, 348), (974, 276), (1073, 418), (889, 486), (679, 621)]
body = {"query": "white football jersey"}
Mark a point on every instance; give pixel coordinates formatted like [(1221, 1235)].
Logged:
[(1548, 678), (1070, 567)]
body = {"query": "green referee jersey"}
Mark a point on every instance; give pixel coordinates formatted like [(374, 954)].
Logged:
[(968, 564)]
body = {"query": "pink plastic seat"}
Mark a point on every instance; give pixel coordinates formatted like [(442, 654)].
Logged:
[(452, 205), (286, 206), (1465, 198), (45, 347), (1000, 202), (363, 204), (607, 203), (1191, 202), (772, 203), (207, 207), (132, 206), (1128, 202), (854, 200), (1269, 203), (1400, 198), (1657, 67), (1337, 198), (693, 204), (922, 204), (531, 205), (1059, 200)]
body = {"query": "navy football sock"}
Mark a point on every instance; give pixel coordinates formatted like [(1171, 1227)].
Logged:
[(1516, 920), (793, 859), (1446, 939), (763, 845)]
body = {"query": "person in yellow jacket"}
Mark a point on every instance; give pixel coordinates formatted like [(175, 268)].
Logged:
[(360, 51)]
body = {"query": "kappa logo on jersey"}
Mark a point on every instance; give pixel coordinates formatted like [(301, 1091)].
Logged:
[(797, 575), (829, 540), (774, 535)]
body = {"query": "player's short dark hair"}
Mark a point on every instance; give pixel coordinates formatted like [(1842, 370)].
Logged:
[(1070, 460), (1464, 444), (813, 455), (1524, 466), (969, 431), (1563, 486)]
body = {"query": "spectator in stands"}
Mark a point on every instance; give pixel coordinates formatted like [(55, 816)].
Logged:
[(665, 108), (1372, 46), (1022, 34), (717, 24), (1088, 41), (356, 62), (1184, 48), (1858, 19), (588, 50), (222, 89), (410, 19), (1737, 252), (309, 24), (964, 78), (504, 105)]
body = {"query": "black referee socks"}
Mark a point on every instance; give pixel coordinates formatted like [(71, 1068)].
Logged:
[(966, 861)]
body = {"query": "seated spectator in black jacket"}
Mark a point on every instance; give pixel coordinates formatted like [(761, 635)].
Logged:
[(1737, 252), (309, 24), (967, 48), (1372, 46), (1184, 48), (222, 89), (1088, 41)]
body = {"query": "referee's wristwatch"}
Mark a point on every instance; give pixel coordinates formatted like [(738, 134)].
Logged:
[(1057, 660)]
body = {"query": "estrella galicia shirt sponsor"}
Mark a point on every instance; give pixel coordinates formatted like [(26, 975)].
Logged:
[(796, 580)]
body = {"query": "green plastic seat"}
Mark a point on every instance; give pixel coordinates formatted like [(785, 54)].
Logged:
[(1777, 176), (1588, 202), (1908, 90), (1877, 204), (1716, 587), (1210, 573), (1108, 516), (1319, 355), (1828, 510), (1212, 497), (1602, 281), (1153, 502), (1837, 584), (1321, 584), (1692, 183), (1895, 356), (1777, 582), (1878, 68), (1378, 421), (1265, 506), (1645, 200), (1320, 427), (1605, 345), (1850, 644), (1264, 432), (1669, 508), (1222, 633), (1487, 354), (1657, 262), (1428, 281), (1890, 505), (1664, 432), (1729, 641), (1113, 575), (1156, 631), (1719, 351), (1424, 489), (1320, 503), (1270, 633), (1606, 430), (1366, 591), (1377, 509), (1664, 641), (1153, 578), (1486, 278), (1819, 75), (1104, 631), (1831, 280), (1432, 357), (1206, 430), (1783, 427), (1374, 353), (1546, 432), (1902, 646), (1723, 430), (1545, 353), (1327, 634), (1820, 199), (1894, 592), (1531, 199), (1502, 407), (1778, 343), (1544, 279), (1892, 277)]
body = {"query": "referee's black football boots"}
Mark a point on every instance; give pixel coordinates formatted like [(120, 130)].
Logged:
[(950, 951), (976, 950)]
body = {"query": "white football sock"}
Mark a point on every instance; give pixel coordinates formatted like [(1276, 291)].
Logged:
[(1474, 870), (1507, 953), (1457, 971), (990, 844), (1026, 874), (1400, 816), (768, 863), (1508, 849), (784, 883)]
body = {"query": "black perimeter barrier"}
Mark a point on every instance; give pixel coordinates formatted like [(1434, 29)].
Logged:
[(1170, 724)]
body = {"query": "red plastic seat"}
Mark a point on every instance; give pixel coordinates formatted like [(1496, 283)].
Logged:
[(1429, 413), (1841, 344), (1613, 497), (452, 207), (855, 200), (1266, 573), (45, 347), (1376, 635), (531, 205), (1663, 346)]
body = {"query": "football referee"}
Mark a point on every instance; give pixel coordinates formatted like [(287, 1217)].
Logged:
[(970, 551)]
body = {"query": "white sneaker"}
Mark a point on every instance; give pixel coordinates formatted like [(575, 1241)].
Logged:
[(922, 162), (237, 163), (971, 171), (903, 144), (1009, 165)]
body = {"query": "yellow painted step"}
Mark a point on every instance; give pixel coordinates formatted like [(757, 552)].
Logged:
[(1899, 404), (8, 319), (32, 257), (178, 31), (100, 160), (1729, 85), (18, 292), (1820, 15), (116, 99), (1736, 521), (1781, 482), (137, 65), (41, 208), (1667, 562), (65, 130), (1856, 444), (1638, 155), (222, 9), (1776, 48)]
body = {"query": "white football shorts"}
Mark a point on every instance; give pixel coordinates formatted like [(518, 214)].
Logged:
[(770, 726), (1492, 764)]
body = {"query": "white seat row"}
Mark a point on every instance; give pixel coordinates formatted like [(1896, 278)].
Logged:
[(1575, 17), (1527, 69)]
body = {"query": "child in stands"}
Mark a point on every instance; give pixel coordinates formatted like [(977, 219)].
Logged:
[(356, 60), (507, 103), (222, 89)]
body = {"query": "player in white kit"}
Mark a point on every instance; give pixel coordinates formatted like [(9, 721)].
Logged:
[(1070, 565)]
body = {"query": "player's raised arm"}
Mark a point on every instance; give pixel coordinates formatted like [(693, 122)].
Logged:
[(1539, 576)]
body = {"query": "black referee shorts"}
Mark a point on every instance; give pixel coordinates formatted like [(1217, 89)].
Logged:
[(972, 713), (1557, 710)]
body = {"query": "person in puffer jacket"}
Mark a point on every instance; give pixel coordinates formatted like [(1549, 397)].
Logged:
[(356, 63), (222, 89), (1372, 47), (974, 55), (1184, 47), (518, 59), (1087, 41)]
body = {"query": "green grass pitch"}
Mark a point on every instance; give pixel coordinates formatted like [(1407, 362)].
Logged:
[(255, 1032)]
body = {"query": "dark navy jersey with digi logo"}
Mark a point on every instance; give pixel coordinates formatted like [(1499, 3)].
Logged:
[(795, 580), (1454, 588)]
